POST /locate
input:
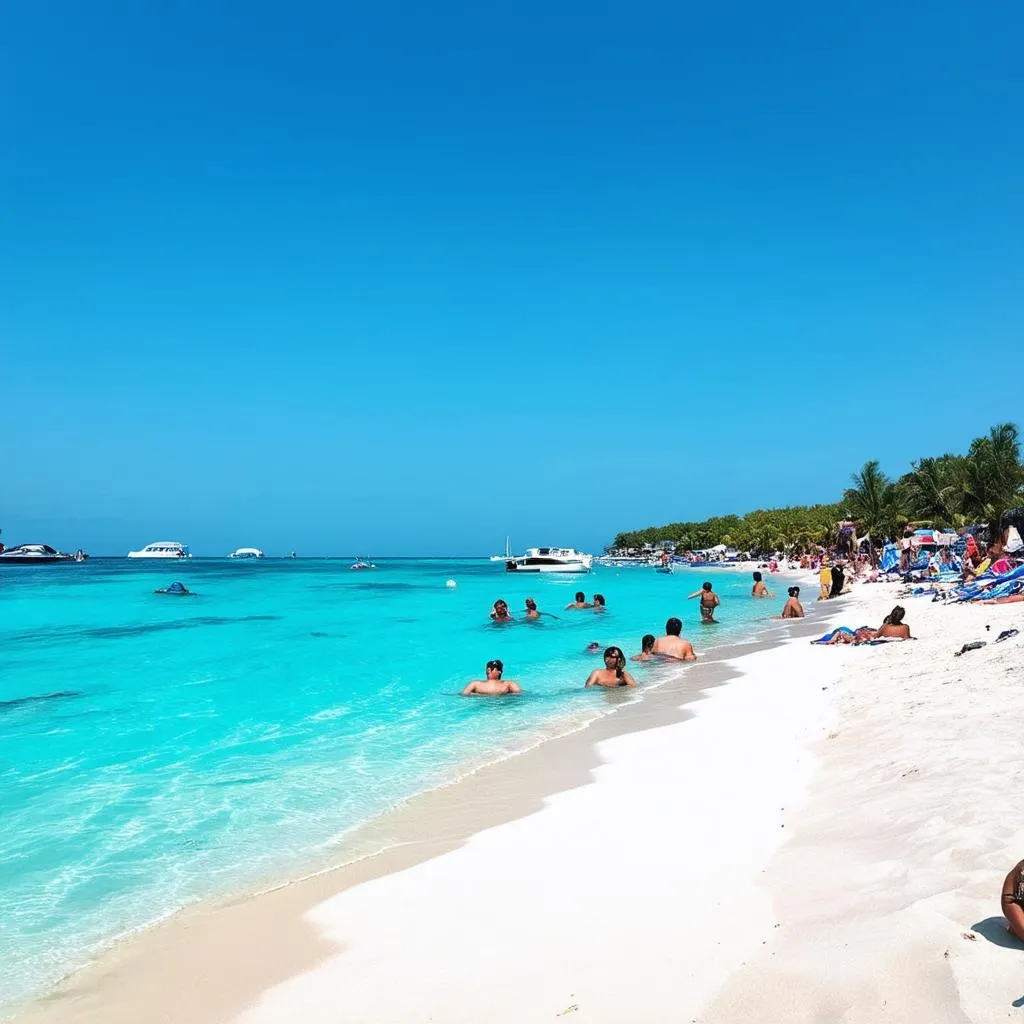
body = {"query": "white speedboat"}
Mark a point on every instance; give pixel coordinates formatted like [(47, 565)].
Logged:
[(362, 562), (162, 549), (246, 553), (550, 560)]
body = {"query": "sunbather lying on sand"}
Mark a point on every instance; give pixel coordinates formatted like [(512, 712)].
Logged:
[(893, 628)]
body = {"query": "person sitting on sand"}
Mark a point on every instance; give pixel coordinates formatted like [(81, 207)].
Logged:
[(531, 609), (500, 612), (493, 685), (1012, 901), (709, 601), (614, 672), (793, 609), (598, 603), (672, 645), (646, 649), (580, 602), (760, 587)]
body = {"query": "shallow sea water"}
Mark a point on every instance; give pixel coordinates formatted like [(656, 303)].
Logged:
[(158, 750)]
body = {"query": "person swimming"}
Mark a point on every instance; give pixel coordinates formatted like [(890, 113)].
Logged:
[(760, 588), (672, 644), (598, 605), (176, 589), (579, 602), (709, 601), (793, 609), (592, 648), (493, 685), (531, 609), (500, 612), (646, 649), (614, 672)]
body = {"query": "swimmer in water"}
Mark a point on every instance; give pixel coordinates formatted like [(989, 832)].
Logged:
[(598, 603), (646, 649), (500, 612), (708, 603), (672, 645), (592, 648), (580, 602), (531, 609), (493, 685), (614, 672), (760, 587), (793, 609)]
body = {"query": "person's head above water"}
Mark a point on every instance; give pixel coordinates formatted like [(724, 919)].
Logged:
[(674, 626), (531, 605), (615, 659), (757, 577), (593, 647), (647, 643), (501, 606), (495, 668), (599, 600), (580, 597)]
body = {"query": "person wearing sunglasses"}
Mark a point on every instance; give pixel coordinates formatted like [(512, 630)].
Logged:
[(493, 685), (614, 672)]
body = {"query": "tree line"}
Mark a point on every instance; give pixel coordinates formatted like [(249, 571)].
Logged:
[(944, 491)]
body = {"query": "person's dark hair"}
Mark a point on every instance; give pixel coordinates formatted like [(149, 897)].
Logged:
[(580, 597), (599, 599), (674, 626), (502, 602), (647, 642), (895, 617), (531, 604), (707, 587), (496, 663), (794, 591), (757, 577), (593, 646), (620, 659)]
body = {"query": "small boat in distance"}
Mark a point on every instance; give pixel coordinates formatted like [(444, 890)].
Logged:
[(362, 562), (550, 560), (246, 553), (38, 554), (162, 549), (508, 552)]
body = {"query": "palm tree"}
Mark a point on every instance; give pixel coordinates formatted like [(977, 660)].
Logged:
[(935, 489), (993, 476), (876, 504)]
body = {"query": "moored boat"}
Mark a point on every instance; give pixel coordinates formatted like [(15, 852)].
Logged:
[(38, 554), (550, 560), (162, 549), (246, 553)]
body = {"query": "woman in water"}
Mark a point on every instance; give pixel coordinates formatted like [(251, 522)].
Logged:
[(760, 587), (599, 602), (531, 609), (793, 609), (500, 612), (614, 672), (708, 603)]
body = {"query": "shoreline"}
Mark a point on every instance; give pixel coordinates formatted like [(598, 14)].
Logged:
[(393, 842)]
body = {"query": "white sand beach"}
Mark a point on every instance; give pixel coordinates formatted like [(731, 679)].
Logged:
[(825, 839)]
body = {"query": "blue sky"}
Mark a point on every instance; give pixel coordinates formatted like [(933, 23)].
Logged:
[(411, 279)]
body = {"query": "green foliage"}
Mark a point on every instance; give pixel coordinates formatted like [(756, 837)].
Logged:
[(947, 491)]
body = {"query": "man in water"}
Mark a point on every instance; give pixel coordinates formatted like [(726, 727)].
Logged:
[(500, 612), (646, 648), (531, 609), (760, 587), (709, 601), (672, 645), (493, 685), (580, 602)]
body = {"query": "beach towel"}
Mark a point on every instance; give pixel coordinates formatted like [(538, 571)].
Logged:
[(842, 629)]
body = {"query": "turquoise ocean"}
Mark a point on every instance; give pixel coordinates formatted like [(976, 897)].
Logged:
[(156, 750)]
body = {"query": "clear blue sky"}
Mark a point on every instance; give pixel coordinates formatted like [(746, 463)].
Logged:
[(408, 279)]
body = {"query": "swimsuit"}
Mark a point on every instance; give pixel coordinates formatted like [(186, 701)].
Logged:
[(707, 611)]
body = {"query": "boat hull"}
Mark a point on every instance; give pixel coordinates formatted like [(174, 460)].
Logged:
[(560, 567), (37, 559)]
